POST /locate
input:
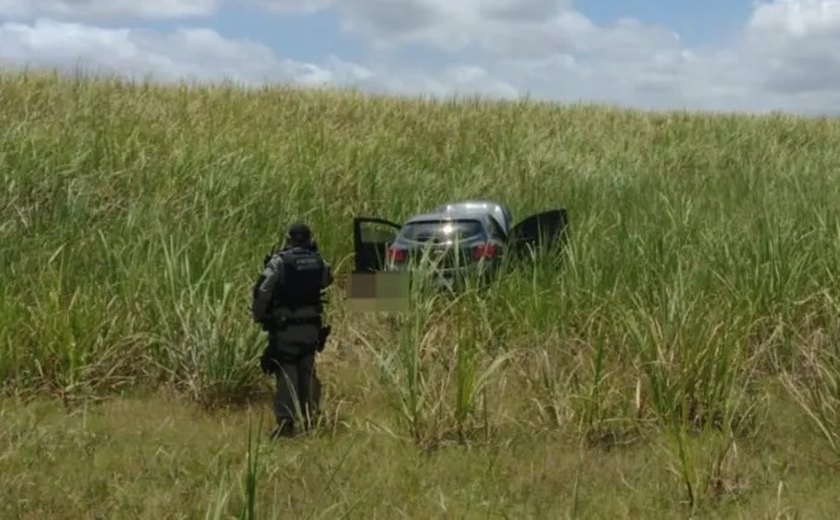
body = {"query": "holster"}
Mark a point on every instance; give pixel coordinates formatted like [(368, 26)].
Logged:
[(270, 359)]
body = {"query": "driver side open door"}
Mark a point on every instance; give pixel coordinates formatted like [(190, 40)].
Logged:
[(371, 238), (538, 232)]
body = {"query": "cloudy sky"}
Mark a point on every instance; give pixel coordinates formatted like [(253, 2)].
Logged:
[(712, 54)]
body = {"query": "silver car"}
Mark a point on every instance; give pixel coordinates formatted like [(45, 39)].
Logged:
[(454, 240)]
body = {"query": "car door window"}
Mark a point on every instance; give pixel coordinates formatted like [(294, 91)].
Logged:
[(371, 238)]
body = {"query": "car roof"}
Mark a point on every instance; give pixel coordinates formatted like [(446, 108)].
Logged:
[(444, 215), (475, 207)]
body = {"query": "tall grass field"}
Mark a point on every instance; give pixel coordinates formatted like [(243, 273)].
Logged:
[(679, 358)]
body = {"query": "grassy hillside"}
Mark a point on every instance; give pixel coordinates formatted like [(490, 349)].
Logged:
[(684, 357)]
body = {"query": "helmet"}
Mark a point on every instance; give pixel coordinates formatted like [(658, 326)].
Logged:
[(299, 234)]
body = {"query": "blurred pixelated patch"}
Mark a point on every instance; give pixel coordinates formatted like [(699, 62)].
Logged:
[(378, 292)]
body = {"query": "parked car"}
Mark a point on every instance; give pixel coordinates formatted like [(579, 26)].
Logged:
[(455, 239)]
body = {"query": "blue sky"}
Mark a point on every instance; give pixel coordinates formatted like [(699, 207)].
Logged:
[(713, 55), (291, 34), (698, 22)]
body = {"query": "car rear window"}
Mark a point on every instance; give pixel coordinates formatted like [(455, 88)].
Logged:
[(442, 230)]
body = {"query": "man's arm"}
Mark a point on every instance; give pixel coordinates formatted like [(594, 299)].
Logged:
[(326, 276), (272, 276)]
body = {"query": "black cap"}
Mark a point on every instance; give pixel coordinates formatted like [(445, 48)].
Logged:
[(299, 233)]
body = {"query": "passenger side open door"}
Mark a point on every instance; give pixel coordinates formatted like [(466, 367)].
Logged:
[(371, 238), (539, 231)]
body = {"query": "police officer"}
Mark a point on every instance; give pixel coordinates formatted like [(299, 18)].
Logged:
[(288, 302)]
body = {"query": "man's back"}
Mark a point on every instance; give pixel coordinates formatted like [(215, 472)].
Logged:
[(309, 273)]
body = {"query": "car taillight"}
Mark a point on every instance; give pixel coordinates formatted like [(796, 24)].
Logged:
[(485, 251), (396, 255)]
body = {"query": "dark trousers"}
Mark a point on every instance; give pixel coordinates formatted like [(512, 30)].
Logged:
[(298, 390), (298, 393)]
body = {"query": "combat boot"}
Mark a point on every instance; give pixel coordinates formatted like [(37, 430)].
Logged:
[(287, 429)]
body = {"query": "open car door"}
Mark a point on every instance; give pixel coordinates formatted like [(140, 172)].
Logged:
[(539, 231), (371, 238)]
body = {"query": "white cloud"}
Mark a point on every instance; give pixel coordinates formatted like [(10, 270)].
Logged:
[(797, 44), (204, 55), (77, 10), (195, 54), (785, 57), (462, 80), (521, 10), (291, 6), (797, 17)]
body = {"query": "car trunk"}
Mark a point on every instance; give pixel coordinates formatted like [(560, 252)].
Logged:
[(444, 256)]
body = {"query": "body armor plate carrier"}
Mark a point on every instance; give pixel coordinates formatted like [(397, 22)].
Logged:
[(302, 278)]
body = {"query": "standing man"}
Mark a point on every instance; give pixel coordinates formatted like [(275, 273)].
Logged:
[(288, 302)]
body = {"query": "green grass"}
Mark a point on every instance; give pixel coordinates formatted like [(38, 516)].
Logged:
[(680, 358)]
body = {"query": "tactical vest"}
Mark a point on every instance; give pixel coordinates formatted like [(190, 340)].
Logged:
[(302, 276)]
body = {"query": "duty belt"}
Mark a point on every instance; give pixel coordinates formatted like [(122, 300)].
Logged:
[(299, 321)]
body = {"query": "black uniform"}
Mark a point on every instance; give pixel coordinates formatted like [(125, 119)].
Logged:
[(288, 302)]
